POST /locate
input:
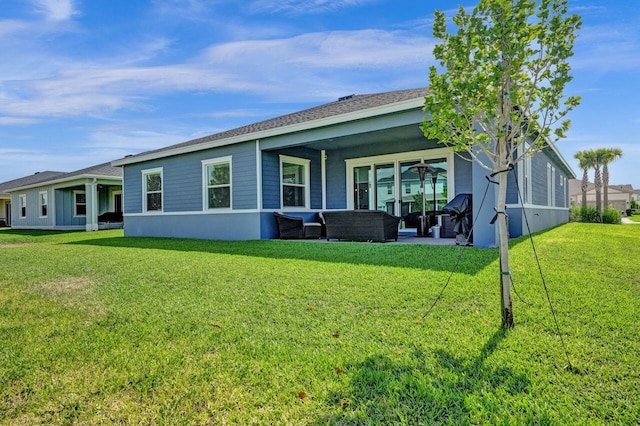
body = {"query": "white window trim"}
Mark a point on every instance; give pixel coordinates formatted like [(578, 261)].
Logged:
[(307, 181), (112, 201), (75, 205), (551, 185), (524, 177), (429, 154), (144, 189), (22, 197), (554, 200), (40, 204), (205, 183)]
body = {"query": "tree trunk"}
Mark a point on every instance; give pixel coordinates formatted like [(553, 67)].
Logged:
[(585, 184), (503, 239), (598, 184), (605, 185)]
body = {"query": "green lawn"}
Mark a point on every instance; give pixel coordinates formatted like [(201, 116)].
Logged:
[(635, 217), (96, 328)]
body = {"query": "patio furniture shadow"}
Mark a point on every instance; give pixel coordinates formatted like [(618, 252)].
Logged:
[(425, 257), (424, 388)]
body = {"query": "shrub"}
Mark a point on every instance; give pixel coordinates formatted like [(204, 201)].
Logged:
[(588, 214), (611, 216)]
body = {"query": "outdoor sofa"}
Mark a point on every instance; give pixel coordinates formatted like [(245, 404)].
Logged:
[(360, 225), (291, 227)]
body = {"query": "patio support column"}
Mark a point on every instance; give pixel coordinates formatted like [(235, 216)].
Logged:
[(323, 170), (91, 194)]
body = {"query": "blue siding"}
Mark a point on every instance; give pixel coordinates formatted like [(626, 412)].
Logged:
[(271, 176), (183, 182), (463, 175), (539, 179), (271, 180), (65, 209), (32, 218)]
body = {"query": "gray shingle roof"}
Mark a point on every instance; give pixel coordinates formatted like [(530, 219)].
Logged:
[(344, 105), (104, 169), (28, 180), (100, 170)]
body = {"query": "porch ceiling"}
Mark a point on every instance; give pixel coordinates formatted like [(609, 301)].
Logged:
[(401, 133)]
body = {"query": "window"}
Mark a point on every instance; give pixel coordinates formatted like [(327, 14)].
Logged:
[(294, 175), (524, 178), (43, 203), (551, 185), (80, 203), (152, 190), (217, 183), (23, 205), (371, 178)]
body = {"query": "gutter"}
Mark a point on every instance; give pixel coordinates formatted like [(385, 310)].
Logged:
[(62, 180)]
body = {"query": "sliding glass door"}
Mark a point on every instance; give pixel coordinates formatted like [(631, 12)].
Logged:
[(390, 184)]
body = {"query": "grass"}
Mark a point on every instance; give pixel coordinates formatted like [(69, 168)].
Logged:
[(635, 217), (99, 329)]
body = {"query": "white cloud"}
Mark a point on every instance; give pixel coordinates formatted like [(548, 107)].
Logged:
[(340, 49), (12, 26), (316, 62), (17, 121), (607, 48), (305, 6), (131, 141), (55, 10)]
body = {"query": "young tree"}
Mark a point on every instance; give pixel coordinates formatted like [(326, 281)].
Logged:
[(504, 73)]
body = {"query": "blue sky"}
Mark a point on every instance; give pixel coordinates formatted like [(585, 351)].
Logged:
[(88, 81)]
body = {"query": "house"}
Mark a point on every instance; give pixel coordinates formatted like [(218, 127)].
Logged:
[(64, 201), (5, 197), (353, 153), (620, 196)]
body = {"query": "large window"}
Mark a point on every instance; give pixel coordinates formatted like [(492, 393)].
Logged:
[(389, 183), (294, 178), (80, 203), (217, 183), (43, 203), (152, 190), (23, 205)]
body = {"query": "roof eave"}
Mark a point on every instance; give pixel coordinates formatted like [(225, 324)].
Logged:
[(278, 131), (63, 180)]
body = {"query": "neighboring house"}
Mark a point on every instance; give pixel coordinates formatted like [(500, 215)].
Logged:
[(351, 153), (620, 196), (66, 201), (5, 197)]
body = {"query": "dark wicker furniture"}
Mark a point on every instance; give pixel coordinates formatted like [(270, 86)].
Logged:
[(446, 223), (111, 217), (291, 227), (361, 225)]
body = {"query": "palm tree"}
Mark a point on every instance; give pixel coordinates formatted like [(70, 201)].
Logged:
[(608, 155), (584, 160), (598, 157)]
